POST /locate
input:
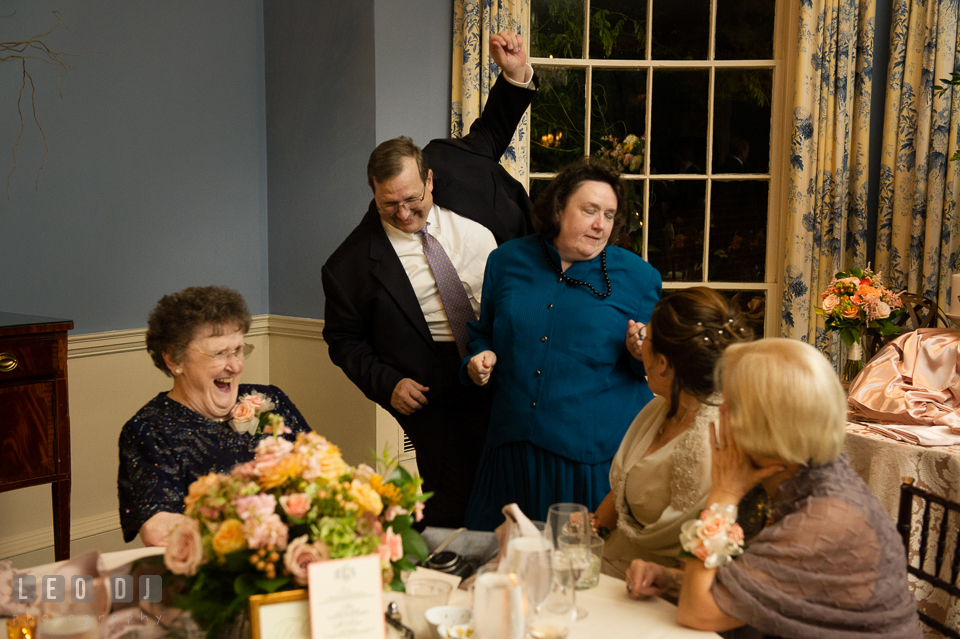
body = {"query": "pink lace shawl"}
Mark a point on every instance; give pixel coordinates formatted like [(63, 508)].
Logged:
[(831, 567)]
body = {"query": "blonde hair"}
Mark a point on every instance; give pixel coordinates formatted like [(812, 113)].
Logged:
[(784, 401)]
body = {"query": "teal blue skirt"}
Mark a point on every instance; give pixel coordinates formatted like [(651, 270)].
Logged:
[(534, 479)]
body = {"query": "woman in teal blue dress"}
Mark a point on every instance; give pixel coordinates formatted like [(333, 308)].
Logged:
[(558, 340)]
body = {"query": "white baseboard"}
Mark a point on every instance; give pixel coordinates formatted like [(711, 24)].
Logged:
[(33, 540)]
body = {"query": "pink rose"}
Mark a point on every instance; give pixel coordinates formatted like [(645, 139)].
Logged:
[(300, 554), (391, 513), (418, 511), (712, 526), (830, 302), (296, 505), (701, 552), (736, 534), (391, 546), (254, 401), (184, 552)]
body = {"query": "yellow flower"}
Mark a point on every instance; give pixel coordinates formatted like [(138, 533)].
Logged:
[(366, 497), (287, 467), (199, 488), (229, 537), (388, 491)]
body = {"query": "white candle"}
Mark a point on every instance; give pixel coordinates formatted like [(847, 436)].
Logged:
[(954, 292)]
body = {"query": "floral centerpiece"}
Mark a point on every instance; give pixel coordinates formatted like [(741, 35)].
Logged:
[(858, 306), (626, 155), (256, 529)]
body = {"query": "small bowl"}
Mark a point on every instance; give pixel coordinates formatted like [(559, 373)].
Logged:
[(459, 631), (447, 617)]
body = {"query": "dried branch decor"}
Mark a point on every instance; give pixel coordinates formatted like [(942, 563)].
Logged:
[(23, 51)]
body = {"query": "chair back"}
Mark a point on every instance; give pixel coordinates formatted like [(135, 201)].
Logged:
[(933, 535), (919, 312)]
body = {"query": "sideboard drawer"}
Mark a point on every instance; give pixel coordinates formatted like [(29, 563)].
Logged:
[(21, 358), (27, 454)]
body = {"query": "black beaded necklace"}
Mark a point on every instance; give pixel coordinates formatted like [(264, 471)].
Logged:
[(570, 280)]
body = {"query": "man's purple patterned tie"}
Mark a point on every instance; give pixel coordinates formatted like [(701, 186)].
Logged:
[(455, 301)]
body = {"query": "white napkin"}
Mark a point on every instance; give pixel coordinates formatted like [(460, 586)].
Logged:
[(513, 515), (916, 435)]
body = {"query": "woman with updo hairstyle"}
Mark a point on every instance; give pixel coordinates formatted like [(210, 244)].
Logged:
[(660, 476), (207, 423)]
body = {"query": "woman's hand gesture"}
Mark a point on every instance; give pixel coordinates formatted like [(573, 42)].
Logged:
[(634, 339), (480, 366)]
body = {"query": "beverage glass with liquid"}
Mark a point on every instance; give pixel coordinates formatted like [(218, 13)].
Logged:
[(553, 617), (78, 615)]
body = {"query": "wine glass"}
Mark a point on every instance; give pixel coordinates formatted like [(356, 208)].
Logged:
[(570, 529), (531, 560), (552, 618), (497, 606)]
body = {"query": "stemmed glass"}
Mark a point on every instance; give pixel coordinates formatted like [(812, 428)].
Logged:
[(552, 618), (570, 530), (531, 560)]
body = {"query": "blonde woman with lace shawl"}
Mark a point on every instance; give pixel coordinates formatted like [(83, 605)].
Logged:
[(830, 563), (661, 474)]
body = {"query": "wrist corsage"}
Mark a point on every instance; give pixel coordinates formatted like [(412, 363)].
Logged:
[(715, 538), (252, 414)]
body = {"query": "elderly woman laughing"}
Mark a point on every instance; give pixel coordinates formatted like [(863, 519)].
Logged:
[(208, 422)]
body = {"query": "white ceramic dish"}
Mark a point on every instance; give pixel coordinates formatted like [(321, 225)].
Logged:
[(459, 631), (447, 617)]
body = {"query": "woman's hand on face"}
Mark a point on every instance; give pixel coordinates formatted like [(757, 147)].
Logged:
[(480, 366), (633, 340), (733, 473), (646, 579)]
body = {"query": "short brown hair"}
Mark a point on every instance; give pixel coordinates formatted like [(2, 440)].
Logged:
[(692, 328), (551, 202), (386, 161), (178, 317)]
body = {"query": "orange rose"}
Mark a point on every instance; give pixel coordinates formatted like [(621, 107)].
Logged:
[(286, 468), (850, 312), (229, 537)]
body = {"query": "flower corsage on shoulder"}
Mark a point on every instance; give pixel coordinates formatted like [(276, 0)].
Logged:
[(252, 414), (715, 538)]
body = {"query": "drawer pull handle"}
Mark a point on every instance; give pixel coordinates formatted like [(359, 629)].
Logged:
[(7, 362)]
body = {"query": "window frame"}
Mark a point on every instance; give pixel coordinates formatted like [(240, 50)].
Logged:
[(782, 66)]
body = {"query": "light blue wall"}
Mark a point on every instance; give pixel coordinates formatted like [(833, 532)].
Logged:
[(414, 43), (157, 173), (341, 78), (156, 176)]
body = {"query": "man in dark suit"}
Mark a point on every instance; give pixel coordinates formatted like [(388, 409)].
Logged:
[(385, 322)]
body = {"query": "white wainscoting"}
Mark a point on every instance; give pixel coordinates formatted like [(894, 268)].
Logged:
[(111, 376)]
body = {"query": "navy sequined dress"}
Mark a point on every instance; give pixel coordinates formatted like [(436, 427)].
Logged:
[(167, 446)]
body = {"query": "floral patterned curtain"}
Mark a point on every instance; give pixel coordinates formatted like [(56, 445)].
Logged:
[(825, 225), (474, 72), (918, 238)]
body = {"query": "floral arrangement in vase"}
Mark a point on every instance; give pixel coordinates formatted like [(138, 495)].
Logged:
[(256, 529), (626, 155), (858, 305)]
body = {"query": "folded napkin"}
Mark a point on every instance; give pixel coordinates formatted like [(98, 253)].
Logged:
[(916, 435)]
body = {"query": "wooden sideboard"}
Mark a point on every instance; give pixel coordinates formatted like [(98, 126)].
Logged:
[(34, 413)]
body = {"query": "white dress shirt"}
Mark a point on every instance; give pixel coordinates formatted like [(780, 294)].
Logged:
[(467, 244)]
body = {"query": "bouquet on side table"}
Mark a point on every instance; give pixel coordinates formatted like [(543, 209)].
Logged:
[(255, 530), (858, 306)]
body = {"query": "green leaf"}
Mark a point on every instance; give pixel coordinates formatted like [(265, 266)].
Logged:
[(404, 565), (414, 544), (401, 523), (848, 336), (401, 476), (272, 585), (245, 585)]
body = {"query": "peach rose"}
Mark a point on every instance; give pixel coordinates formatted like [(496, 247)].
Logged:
[(850, 312), (300, 554), (701, 552), (391, 546), (229, 537), (296, 505), (736, 534), (712, 526), (830, 302), (184, 552), (243, 412)]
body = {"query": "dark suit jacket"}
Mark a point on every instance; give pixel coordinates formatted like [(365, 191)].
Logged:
[(374, 327)]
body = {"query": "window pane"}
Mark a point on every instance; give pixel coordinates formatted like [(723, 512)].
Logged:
[(745, 30), (557, 119), (738, 231), (618, 117), (679, 128), (536, 188), (556, 28), (741, 121), (676, 229), (631, 238), (680, 29), (618, 29)]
